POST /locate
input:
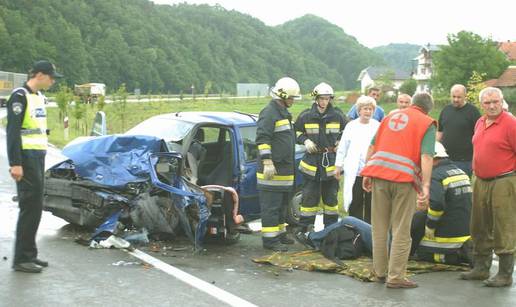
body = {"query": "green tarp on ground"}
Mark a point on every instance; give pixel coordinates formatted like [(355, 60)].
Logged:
[(360, 269)]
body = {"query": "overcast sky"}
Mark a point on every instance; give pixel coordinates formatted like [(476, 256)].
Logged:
[(376, 22)]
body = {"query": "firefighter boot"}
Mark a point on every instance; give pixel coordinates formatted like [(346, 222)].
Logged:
[(481, 266), (286, 239), (274, 244), (504, 276)]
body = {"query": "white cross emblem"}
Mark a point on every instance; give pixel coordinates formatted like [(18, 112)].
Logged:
[(398, 122)]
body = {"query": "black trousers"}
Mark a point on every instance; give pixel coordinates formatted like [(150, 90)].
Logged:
[(30, 201), (417, 230), (274, 205), (313, 191), (360, 206)]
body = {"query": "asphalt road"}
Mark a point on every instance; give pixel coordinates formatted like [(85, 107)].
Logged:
[(79, 276)]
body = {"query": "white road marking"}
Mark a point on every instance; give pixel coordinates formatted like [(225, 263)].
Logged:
[(193, 281)]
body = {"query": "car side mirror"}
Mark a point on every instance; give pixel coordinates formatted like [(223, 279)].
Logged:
[(99, 127)]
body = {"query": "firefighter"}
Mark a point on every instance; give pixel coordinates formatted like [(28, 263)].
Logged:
[(319, 128), (26, 149), (275, 138), (441, 234)]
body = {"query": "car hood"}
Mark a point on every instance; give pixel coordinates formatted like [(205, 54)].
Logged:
[(114, 160)]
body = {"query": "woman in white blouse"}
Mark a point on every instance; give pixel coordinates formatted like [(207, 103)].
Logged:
[(351, 155)]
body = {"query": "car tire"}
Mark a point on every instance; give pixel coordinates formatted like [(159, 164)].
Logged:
[(293, 209)]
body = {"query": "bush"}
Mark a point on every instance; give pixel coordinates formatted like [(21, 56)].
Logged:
[(409, 87), (352, 97), (509, 94)]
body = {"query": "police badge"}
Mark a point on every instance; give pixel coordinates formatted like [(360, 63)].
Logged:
[(17, 108)]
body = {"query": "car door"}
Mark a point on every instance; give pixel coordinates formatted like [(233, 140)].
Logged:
[(247, 154)]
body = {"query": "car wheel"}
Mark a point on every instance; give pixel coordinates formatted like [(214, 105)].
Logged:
[(293, 210)]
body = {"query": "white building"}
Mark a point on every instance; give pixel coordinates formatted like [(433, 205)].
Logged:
[(424, 68), (368, 76), (252, 89)]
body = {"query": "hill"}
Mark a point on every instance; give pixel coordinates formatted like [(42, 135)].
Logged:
[(398, 56), (330, 44), (167, 49)]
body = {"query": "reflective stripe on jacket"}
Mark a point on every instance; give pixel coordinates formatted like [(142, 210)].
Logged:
[(275, 138), (325, 131), (397, 155), (450, 209), (34, 125)]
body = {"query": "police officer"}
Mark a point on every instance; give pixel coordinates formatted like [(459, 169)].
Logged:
[(275, 138), (319, 129), (26, 149)]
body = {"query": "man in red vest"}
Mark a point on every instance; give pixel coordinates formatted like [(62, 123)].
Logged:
[(398, 172)]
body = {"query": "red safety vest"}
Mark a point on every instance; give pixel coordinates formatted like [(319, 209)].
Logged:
[(397, 155)]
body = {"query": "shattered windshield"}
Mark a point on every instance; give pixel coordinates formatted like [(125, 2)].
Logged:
[(170, 130)]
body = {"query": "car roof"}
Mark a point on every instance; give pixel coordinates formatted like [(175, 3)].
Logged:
[(223, 118)]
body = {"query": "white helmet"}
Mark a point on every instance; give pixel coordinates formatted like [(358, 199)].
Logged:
[(323, 89), (440, 151), (286, 87)]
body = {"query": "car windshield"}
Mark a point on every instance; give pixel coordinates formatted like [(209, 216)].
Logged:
[(170, 130)]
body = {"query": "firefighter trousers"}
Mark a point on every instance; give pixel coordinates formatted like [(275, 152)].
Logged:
[(313, 190), (274, 206)]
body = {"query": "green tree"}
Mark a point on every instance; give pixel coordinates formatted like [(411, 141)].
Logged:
[(120, 104), (386, 85), (101, 102), (63, 98), (207, 88), (474, 86), (162, 49), (398, 56), (409, 87), (78, 114), (466, 52)]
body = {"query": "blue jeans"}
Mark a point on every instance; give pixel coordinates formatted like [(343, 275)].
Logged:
[(362, 227)]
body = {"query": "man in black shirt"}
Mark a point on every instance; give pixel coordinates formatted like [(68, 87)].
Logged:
[(456, 126)]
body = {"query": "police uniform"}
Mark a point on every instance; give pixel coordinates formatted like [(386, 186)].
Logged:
[(324, 129), (275, 138), (449, 214), (26, 147)]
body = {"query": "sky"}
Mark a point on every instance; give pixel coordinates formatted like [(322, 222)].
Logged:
[(376, 22)]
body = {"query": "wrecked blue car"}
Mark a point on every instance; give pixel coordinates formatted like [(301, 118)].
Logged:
[(132, 178), (185, 172)]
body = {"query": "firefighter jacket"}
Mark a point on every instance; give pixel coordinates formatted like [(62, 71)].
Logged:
[(325, 131), (397, 155), (275, 138), (450, 209)]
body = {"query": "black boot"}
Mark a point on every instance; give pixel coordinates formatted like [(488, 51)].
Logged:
[(274, 244), (302, 238), (481, 266), (27, 267), (286, 239), (40, 262), (504, 276)]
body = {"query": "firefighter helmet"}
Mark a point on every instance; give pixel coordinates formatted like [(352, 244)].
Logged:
[(285, 88), (323, 89)]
